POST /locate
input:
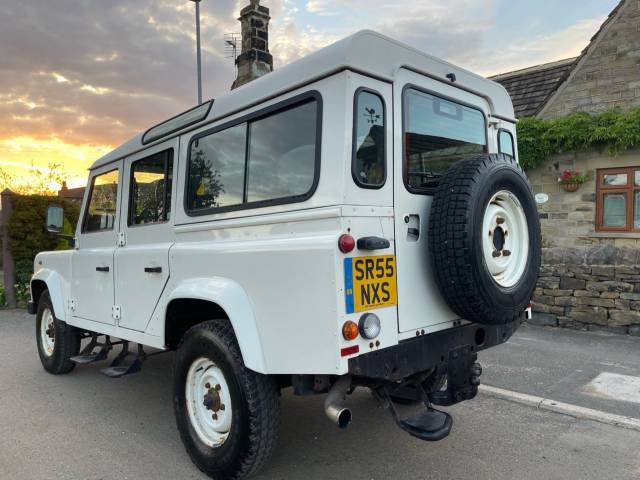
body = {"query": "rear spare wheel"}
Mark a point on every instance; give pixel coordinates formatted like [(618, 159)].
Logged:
[(484, 239)]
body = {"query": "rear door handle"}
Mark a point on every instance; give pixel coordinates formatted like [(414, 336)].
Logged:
[(373, 243), (153, 269), (102, 269)]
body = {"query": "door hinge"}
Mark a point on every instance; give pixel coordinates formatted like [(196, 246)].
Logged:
[(115, 313), (122, 239), (73, 304)]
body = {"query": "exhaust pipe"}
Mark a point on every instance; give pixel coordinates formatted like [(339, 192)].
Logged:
[(333, 404)]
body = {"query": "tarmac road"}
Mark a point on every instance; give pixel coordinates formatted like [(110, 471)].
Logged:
[(87, 426)]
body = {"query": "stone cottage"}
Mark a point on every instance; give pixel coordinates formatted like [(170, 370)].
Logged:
[(590, 277)]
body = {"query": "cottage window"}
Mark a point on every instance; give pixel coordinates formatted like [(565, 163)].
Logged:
[(618, 200)]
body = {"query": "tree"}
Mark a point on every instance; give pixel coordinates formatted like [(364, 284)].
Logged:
[(206, 180), (41, 182)]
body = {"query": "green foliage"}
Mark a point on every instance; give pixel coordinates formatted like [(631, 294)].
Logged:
[(28, 235), (539, 139)]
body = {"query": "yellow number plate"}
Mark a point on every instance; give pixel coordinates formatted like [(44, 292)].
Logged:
[(370, 282)]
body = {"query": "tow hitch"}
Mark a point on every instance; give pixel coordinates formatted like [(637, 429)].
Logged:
[(463, 377)]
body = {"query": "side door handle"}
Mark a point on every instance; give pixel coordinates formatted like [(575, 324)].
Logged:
[(102, 269), (153, 269)]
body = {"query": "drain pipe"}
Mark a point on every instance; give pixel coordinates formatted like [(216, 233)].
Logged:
[(333, 404)]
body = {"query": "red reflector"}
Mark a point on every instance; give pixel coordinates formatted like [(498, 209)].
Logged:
[(346, 243), (349, 350)]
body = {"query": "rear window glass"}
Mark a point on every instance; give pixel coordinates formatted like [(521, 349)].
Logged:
[(438, 133), (150, 191), (369, 140)]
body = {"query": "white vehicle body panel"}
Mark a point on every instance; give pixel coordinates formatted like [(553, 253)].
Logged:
[(146, 246), (427, 310), (92, 269), (275, 270)]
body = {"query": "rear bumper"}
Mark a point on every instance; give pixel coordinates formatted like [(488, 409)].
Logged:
[(427, 351)]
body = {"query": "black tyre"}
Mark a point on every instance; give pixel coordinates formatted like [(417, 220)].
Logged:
[(57, 341), (484, 239), (228, 416)]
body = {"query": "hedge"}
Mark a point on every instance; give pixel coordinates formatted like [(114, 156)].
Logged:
[(615, 131), (28, 236)]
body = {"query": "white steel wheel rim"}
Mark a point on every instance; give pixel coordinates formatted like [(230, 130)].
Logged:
[(208, 402), (505, 238), (47, 332)]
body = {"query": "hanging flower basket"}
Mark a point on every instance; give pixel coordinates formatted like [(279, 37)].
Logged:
[(570, 187), (571, 180)]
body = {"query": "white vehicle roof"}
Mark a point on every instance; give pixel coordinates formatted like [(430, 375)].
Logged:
[(367, 52)]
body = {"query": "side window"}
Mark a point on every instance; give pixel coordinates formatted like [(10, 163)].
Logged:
[(368, 163), (438, 133), (282, 154), (103, 199), (150, 197), (271, 158), (505, 143), (216, 169)]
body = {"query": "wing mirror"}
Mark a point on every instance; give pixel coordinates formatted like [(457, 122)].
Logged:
[(55, 219), (55, 223)]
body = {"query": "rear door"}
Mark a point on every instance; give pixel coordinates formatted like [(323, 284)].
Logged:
[(435, 124), (142, 263)]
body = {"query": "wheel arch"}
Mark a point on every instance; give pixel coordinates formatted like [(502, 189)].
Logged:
[(50, 280), (199, 299)]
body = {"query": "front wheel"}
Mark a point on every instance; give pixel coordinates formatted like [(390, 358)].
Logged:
[(57, 341), (227, 415)]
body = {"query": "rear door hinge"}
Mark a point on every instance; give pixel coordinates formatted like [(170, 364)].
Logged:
[(122, 239), (116, 313), (73, 304)]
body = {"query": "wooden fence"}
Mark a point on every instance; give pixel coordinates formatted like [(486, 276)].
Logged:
[(8, 263)]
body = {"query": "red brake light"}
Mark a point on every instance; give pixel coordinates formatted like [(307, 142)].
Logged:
[(346, 243)]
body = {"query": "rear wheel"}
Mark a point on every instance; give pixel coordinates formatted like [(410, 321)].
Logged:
[(227, 415), (57, 341)]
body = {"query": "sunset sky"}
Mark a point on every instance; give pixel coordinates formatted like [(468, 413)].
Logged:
[(79, 77)]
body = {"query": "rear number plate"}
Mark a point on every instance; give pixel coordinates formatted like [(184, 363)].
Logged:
[(370, 282)]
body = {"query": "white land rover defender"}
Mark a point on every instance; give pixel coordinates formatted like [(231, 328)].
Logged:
[(357, 218)]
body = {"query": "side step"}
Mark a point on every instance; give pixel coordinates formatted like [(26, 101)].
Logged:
[(126, 362), (430, 425), (89, 354)]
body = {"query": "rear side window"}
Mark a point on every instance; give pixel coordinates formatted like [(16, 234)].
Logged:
[(369, 162), (216, 169), (267, 160), (103, 199), (505, 143), (282, 153), (437, 133), (151, 180)]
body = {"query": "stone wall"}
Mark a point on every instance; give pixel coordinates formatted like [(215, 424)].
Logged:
[(608, 74), (589, 280)]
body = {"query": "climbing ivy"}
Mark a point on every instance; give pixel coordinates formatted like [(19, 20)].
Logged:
[(539, 139)]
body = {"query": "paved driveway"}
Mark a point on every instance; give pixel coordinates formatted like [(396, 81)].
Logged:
[(87, 426)]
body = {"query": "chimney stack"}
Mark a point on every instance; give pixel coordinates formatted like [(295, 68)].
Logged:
[(254, 59)]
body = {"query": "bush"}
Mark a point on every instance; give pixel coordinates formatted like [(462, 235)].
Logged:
[(28, 235)]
